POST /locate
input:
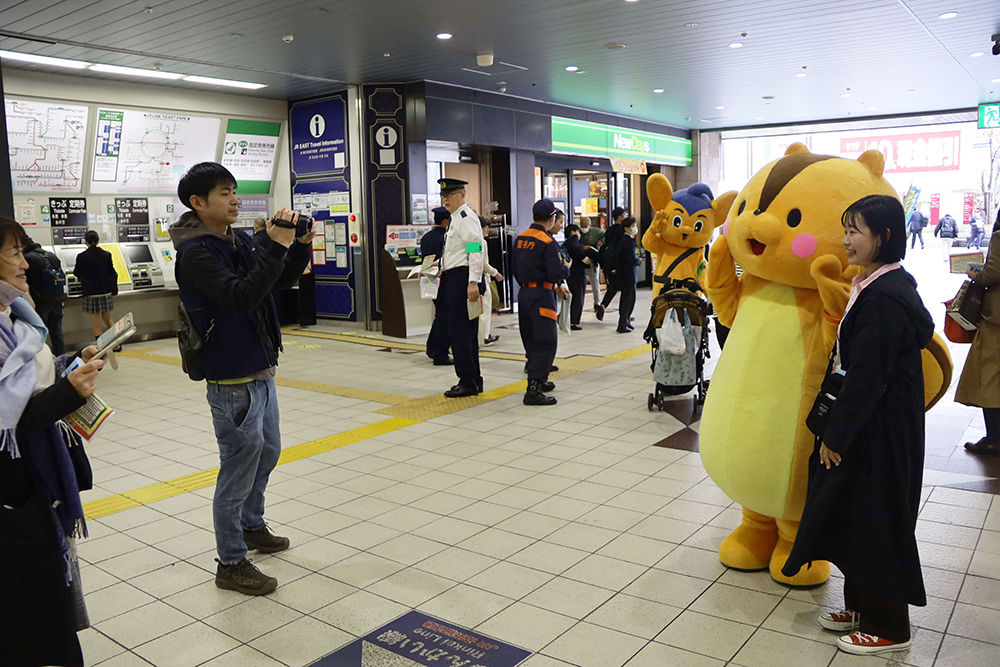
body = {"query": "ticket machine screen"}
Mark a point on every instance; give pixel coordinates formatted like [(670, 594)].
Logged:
[(139, 254)]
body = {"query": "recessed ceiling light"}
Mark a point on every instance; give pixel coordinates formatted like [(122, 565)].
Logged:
[(657, 90), (873, 108), (43, 60), (948, 15), (631, 0), (759, 118), (572, 68), (994, 80), (702, 120), (768, 97), (720, 108), (690, 25), (801, 74), (135, 71), (735, 45), (444, 35), (977, 54), (845, 94), (231, 83), (386, 55), (615, 46)]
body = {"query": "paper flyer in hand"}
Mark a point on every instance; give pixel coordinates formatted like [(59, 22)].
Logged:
[(87, 419)]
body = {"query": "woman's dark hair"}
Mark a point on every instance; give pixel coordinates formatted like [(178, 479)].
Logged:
[(11, 229), (884, 216), (201, 179), (91, 238)]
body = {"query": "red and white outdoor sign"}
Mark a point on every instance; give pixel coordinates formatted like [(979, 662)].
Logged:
[(907, 153), (935, 208)]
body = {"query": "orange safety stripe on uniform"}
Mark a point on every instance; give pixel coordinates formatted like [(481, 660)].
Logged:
[(549, 313), (537, 234), (542, 285)]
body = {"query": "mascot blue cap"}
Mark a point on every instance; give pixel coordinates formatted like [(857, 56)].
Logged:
[(696, 198)]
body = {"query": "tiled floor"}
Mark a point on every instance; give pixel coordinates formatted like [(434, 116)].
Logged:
[(563, 530)]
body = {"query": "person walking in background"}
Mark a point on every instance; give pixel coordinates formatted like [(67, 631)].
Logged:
[(43, 468), (979, 385), (47, 284), (486, 319), (432, 243), (977, 231), (577, 275), (591, 239), (866, 471), (609, 259), (99, 281), (916, 226), (259, 231), (627, 261)]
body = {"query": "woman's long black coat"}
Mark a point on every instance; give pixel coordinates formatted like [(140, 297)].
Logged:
[(861, 515)]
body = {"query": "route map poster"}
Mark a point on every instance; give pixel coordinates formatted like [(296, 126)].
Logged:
[(148, 151), (46, 143)]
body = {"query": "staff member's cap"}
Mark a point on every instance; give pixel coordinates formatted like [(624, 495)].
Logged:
[(615, 214), (543, 209), (440, 215), (450, 185)]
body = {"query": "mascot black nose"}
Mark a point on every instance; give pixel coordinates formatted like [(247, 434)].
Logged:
[(758, 211)]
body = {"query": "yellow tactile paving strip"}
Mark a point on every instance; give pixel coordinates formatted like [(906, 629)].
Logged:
[(403, 410), (318, 387), (382, 342), (96, 509)]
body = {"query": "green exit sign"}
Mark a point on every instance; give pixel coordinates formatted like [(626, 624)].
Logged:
[(989, 116)]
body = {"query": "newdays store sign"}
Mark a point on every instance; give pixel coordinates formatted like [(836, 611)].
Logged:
[(579, 137)]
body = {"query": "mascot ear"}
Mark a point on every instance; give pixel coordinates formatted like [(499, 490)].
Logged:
[(875, 162), (797, 147), (659, 191), (722, 204)]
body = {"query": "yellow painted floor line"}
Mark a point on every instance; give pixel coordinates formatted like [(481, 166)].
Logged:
[(318, 387), (628, 354), (101, 507)]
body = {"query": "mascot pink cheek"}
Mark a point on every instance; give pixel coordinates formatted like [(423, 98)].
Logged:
[(804, 245), (725, 229)]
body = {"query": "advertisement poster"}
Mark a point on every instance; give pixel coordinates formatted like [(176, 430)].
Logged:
[(148, 151), (932, 151), (968, 206), (249, 152), (318, 136), (935, 208)]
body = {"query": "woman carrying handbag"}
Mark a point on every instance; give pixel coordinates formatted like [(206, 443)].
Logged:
[(980, 382)]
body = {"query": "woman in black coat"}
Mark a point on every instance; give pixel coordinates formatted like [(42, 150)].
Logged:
[(627, 261), (42, 469), (865, 476), (95, 269), (577, 275)]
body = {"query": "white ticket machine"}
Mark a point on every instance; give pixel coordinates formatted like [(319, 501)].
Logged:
[(144, 270), (67, 257)]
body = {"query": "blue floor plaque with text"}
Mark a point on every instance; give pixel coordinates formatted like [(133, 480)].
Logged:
[(417, 640)]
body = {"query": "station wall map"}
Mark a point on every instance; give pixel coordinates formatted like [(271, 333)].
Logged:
[(46, 142), (148, 151)]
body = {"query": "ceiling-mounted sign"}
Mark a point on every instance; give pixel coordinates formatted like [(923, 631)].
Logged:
[(989, 116), (578, 137), (628, 165), (318, 136), (249, 151)]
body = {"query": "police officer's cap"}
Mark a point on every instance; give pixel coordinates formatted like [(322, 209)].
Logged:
[(543, 209), (440, 215), (450, 185)]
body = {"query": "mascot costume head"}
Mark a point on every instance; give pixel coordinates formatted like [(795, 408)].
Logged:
[(684, 224), (785, 231)]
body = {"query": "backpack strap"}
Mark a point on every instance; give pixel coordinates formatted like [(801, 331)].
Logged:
[(664, 277)]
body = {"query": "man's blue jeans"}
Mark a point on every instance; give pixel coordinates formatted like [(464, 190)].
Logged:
[(246, 425)]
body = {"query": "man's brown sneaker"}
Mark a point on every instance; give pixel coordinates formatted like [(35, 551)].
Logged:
[(244, 577), (264, 541)]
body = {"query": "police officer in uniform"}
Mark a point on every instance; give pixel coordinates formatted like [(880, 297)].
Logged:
[(461, 283), (538, 268), (432, 243)]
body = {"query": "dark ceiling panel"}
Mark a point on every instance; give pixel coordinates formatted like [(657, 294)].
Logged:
[(889, 56)]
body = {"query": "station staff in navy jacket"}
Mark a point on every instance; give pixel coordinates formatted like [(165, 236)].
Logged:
[(226, 283)]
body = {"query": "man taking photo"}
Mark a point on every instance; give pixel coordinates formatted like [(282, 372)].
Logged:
[(225, 282)]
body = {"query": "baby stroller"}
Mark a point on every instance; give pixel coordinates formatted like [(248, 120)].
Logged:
[(681, 296)]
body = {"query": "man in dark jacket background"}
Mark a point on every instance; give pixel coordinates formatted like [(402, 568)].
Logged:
[(432, 243), (609, 259), (226, 283), (48, 304), (916, 225), (946, 227)]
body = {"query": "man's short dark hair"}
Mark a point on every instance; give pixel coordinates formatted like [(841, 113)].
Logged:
[(201, 179), (628, 221), (886, 219), (91, 237), (572, 227)]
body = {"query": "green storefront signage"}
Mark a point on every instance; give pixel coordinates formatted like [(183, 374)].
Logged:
[(579, 137), (989, 116)]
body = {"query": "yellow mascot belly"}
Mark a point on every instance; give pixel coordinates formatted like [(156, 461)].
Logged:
[(748, 436)]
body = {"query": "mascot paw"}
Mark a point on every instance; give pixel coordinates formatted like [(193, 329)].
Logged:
[(748, 548), (826, 268), (808, 576)]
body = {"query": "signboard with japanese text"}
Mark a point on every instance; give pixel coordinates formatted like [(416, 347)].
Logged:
[(251, 208), (417, 640), (318, 136), (935, 208), (249, 153), (628, 165), (968, 206), (907, 153)]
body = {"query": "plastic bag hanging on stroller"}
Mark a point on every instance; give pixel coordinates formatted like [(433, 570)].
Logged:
[(678, 368), (686, 302)]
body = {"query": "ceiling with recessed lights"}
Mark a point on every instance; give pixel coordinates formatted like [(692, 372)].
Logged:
[(719, 64)]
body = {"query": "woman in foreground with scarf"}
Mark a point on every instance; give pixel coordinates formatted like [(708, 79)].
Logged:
[(43, 468), (865, 476)]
